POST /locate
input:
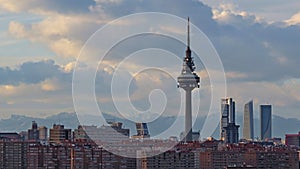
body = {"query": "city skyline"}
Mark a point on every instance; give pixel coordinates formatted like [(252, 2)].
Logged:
[(48, 41), (113, 84)]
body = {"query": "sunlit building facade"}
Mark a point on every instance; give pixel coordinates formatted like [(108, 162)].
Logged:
[(248, 130)]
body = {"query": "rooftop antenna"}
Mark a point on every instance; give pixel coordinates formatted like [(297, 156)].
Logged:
[(188, 29)]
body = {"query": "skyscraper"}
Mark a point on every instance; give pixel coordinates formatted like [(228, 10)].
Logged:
[(265, 122), (228, 128), (248, 130), (227, 114), (224, 118), (188, 80), (33, 133)]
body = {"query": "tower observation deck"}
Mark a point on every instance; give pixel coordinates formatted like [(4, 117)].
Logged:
[(188, 80)]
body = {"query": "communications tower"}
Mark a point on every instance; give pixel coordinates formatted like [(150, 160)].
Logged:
[(188, 80)]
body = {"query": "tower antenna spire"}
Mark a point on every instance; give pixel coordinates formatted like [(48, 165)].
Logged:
[(188, 31)]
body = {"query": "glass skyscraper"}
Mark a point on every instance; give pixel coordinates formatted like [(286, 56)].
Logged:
[(248, 130), (265, 122), (226, 105), (228, 128)]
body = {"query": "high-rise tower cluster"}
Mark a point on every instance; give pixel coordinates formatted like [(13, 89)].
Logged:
[(265, 121), (229, 130)]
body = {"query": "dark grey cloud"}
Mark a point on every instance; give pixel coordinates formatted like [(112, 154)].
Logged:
[(32, 73), (262, 51), (199, 13)]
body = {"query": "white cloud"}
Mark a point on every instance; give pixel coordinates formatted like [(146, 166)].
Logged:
[(62, 6), (15, 5), (294, 20), (17, 29), (61, 24), (66, 47), (48, 87), (51, 85), (69, 67), (63, 33), (271, 11), (230, 14)]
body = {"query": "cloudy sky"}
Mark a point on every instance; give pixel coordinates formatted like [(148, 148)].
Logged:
[(257, 41)]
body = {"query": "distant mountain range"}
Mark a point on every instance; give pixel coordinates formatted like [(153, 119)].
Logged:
[(17, 123)]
